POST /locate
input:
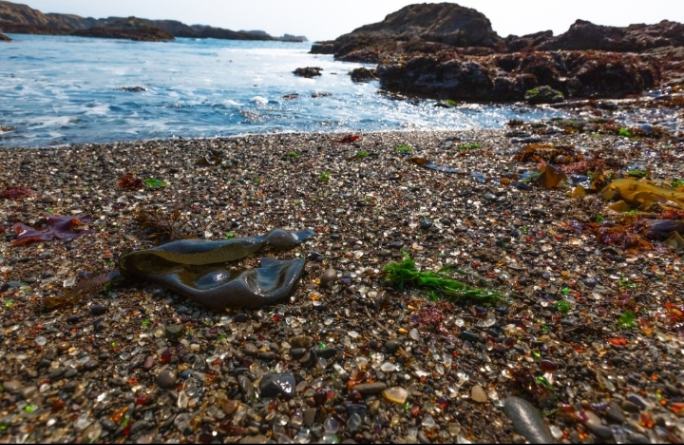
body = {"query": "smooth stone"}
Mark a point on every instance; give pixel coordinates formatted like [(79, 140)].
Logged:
[(392, 346), (302, 341), (98, 310), (478, 394), (273, 385), (13, 387), (637, 438), (614, 413), (298, 353), (149, 362), (426, 223), (328, 278), (174, 331), (370, 389), (167, 379), (254, 439), (596, 426), (310, 416), (470, 336), (638, 401), (230, 406), (527, 420), (396, 395), (630, 407)]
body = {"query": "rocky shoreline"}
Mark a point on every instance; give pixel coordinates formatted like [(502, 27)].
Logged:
[(446, 51), (21, 19), (588, 336)]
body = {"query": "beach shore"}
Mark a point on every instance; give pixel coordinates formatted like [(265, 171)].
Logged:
[(590, 332)]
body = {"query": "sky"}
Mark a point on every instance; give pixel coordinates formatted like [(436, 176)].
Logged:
[(326, 19)]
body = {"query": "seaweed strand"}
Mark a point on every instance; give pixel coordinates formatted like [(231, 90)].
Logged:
[(405, 274)]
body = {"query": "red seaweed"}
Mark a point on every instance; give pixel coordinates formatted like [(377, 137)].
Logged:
[(350, 139), (16, 193), (129, 182), (63, 228)]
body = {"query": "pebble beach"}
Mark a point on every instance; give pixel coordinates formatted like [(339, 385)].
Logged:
[(589, 332)]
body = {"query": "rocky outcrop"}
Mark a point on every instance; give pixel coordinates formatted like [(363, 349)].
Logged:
[(131, 29), (509, 77), (528, 42), (308, 72), (24, 19), (4, 38), (446, 51), (584, 35), (410, 29), (363, 75)]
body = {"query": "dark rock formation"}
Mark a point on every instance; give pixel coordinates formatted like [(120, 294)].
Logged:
[(584, 35), (363, 75), (131, 28), (327, 47), (508, 77), (527, 42), (24, 19), (4, 38), (442, 24), (308, 72), (446, 51)]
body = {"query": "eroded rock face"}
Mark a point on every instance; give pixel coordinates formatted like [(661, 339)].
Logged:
[(584, 35), (443, 24), (508, 77), (363, 75), (4, 38)]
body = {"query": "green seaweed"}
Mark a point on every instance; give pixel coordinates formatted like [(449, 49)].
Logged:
[(677, 183), (637, 173), (625, 132), (361, 154), (404, 149), (564, 307), (448, 103), (325, 177), (294, 155), (230, 236), (470, 146), (155, 184), (543, 94), (627, 320), (405, 274)]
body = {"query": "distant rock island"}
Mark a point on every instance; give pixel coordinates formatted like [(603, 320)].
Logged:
[(22, 19), (447, 51)]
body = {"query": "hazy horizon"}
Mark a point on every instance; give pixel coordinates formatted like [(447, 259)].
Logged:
[(327, 20)]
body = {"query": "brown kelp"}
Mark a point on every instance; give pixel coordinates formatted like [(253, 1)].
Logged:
[(197, 269)]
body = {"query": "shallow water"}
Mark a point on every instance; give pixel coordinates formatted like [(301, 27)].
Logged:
[(60, 90)]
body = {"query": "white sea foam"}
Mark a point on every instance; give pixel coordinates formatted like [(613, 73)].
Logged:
[(259, 101)]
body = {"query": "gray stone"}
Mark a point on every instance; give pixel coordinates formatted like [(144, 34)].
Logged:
[(527, 420), (274, 385), (370, 389), (13, 387), (328, 278), (174, 331), (167, 379)]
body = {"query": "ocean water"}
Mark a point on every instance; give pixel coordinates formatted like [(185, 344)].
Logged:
[(62, 90)]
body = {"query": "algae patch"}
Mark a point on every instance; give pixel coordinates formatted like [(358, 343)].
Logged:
[(405, 274)]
